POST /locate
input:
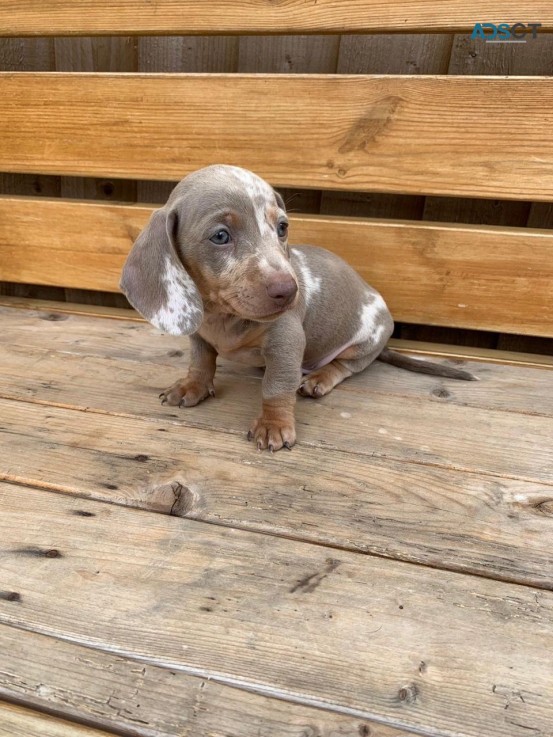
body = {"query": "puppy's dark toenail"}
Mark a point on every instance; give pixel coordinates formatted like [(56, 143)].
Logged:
[(162, 394), (163, 401), (271, 448), (212, 392), (250, 435), (287, 445)]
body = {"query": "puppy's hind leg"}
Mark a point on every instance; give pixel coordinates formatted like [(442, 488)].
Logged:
[(351, 361)]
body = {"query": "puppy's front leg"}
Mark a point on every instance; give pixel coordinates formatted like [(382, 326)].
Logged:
[(198, 384), (283, 352)]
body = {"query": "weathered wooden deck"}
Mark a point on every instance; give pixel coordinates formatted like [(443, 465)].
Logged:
[(159, 576)]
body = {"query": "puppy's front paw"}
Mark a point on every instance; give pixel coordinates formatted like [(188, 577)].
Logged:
[(272, 434), (187, 393)]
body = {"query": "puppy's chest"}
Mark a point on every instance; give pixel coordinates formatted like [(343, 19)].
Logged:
[(235, 340)]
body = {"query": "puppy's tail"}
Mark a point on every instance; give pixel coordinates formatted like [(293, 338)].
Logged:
[(423, 367)]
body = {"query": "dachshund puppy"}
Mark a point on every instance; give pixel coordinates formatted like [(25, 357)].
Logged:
[(215, 264)]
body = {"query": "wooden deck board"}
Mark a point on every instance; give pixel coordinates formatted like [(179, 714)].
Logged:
[(446, 435), (390, 494), (503, 389), (17, 721), (440, 350), (412, 646), (455, 520), (425, 648), (525, 390), (114, 692)]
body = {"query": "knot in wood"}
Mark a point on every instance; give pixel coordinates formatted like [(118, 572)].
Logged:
[(545, 507), (408, 694)]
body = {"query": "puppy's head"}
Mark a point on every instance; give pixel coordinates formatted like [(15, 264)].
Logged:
[(220, 241)]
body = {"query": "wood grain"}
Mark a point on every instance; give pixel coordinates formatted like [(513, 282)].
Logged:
[(446, 435), (65, 17), (384, 133), (407, 645), (110, 691), (414, 512), (386, 54), (465, 276), (17, 721), (288, 54), (182, 54), (26, 335), (453, 352), (383, 492), (27, 54), (99, 54), (475, 58), (57, 308)]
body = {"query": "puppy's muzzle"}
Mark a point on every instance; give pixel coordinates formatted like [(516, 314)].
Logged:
[(282, 289)]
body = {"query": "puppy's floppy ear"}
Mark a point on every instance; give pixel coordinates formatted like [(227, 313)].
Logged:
[(155, 281)]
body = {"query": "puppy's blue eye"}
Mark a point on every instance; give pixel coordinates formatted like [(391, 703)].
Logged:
[(221, 238), (282, 229)]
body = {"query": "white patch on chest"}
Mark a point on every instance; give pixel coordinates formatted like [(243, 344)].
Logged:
[(182, 313), (311, 283)]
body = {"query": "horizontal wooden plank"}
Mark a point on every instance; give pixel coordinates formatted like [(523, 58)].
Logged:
[(484, 277), (422, 348), (111, 691), (452, 135), (407, 511), (437, 274), (67, 243), (56, 310), (83, 17), (378, 495), (410, 646), (25, 337), (17, 721), (445, 435)]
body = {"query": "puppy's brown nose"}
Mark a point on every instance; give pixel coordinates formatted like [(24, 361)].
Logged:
[(282, 289)]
